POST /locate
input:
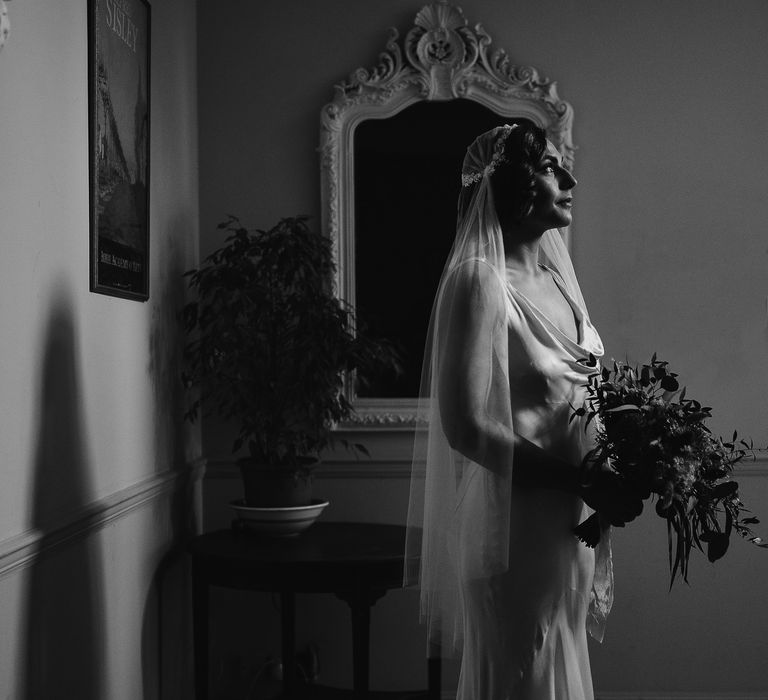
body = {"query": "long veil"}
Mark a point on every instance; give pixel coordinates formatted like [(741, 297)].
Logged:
[(459, 511)]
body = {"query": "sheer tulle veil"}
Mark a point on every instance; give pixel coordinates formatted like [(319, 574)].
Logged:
[(458, 516)]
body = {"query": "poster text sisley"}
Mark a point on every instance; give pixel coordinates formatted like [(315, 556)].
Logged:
[(119, 21)]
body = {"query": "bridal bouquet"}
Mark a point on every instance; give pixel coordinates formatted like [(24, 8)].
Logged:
[(656, 440)]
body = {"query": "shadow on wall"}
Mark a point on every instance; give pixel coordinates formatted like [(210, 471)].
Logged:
[(166, 339), (65, 598), (166, 629)]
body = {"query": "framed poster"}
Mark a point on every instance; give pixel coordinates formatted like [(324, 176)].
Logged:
[(118, 83)]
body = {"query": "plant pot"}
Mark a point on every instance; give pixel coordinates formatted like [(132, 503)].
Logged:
[(268, 486), (277, 522)]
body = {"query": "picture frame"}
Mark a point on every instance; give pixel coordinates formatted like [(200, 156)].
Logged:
[(119, 122)]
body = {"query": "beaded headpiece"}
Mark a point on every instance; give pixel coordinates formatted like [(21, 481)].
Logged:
[(476, 163)]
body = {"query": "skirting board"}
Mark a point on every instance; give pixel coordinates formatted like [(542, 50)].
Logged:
[(22, 550)]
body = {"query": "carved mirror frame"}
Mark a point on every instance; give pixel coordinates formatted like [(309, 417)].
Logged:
[(441, 58)]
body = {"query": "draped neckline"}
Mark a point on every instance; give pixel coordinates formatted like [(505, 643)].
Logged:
[(576, 347)]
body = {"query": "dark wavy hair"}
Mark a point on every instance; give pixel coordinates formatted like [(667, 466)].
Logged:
[(512, 181)]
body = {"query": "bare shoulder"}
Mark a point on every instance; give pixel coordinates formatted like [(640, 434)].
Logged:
[(475, 279)]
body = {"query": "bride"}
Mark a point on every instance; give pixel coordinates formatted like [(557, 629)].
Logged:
[(495, 488)]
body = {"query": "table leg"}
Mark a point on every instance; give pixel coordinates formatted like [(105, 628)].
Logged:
[(288, 621), (361, 646), (360, 603), (200, 634)]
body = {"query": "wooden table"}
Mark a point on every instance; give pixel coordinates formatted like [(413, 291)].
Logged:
[(357, 562)]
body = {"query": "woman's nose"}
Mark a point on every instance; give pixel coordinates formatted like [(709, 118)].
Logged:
[(567, 180)]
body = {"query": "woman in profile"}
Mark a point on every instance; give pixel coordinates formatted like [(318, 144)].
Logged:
[(496, 489)]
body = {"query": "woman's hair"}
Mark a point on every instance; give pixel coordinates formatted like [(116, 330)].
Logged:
[(513, 179)]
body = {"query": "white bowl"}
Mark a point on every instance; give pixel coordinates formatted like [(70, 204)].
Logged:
[(278, 521)]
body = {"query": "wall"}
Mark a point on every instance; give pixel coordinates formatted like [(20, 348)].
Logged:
[(95, 463), (668, 241)]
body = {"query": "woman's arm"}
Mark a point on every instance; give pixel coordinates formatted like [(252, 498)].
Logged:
[(469, 321)]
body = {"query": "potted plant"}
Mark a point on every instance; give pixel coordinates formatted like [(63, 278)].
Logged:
[(269, 345)]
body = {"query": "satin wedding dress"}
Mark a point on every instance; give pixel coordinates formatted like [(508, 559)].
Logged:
[(503, 580), (525, 634)]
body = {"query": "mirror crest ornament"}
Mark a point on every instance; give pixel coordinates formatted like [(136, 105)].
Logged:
[(440, 59)]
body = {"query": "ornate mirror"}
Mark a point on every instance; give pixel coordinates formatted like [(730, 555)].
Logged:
[(391, 146)]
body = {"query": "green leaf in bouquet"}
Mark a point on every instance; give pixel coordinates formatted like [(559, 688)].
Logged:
[(669, 383), (717, 545), (577, 412), (725, 489), (589, 531), (687, 541), (673, 525), (623, 407)]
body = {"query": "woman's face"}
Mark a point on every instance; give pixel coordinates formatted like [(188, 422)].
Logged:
[(552, 198)]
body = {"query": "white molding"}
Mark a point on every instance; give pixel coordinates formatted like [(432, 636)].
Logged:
[(382, 415), (440, 58), (22, 550)]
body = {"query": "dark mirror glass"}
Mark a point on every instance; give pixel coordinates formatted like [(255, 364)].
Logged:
[(407, 181)]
